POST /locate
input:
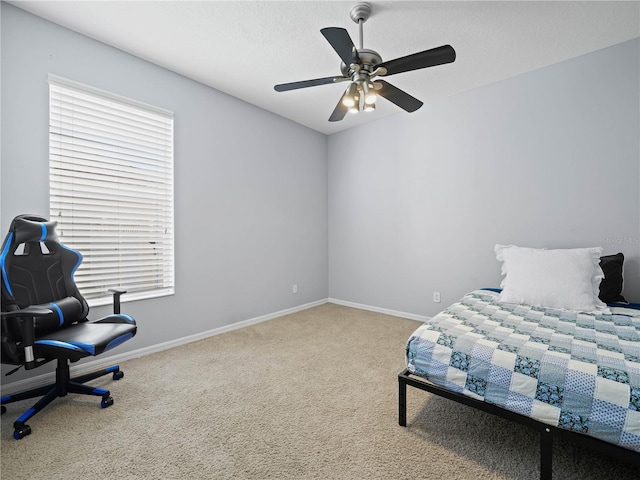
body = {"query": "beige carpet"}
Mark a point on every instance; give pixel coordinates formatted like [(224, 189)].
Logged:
[(312, 395)]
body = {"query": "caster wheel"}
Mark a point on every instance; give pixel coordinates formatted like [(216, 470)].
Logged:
[(23, 432), (118, 375), (106, 402)]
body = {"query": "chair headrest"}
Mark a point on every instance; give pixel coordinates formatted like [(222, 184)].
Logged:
[(33, 229)]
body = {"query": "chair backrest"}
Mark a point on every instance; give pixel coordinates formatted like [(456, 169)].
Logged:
[(38, 270)]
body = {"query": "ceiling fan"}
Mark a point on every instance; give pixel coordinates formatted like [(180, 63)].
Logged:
[(361, 66)]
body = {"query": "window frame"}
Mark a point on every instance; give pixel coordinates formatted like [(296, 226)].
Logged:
[(72, 157)]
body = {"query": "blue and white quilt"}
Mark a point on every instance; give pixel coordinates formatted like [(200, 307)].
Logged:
[(578, 371)]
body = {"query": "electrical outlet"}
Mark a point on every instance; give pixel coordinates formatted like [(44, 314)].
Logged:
[(295, 288), (436, 297)]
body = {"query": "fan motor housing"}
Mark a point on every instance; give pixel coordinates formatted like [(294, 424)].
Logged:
[(369, 59)]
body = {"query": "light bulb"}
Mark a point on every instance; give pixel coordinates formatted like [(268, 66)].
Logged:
[(370, 98), (349, 98), (369, 107), (348, 101), (355, 108), (370, 95)]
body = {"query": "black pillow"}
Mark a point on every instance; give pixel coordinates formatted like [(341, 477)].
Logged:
[(611, 285)]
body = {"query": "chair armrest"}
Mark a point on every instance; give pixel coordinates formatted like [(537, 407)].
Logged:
[(116, 298), (26, 319), (31, 311)]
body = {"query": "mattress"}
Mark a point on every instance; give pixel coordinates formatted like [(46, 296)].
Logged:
[(577, 371)]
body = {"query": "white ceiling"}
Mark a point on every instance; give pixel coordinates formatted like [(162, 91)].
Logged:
[(244, 48)]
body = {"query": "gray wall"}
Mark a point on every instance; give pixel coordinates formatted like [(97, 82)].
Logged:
[(546, 159), (250, 186), (550, 158)]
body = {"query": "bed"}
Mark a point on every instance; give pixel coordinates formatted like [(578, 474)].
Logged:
[(563, 372)]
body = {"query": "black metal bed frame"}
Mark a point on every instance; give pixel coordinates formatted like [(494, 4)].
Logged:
[(547, 432)]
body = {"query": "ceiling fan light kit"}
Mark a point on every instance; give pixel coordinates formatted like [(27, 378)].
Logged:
[(362, 66)]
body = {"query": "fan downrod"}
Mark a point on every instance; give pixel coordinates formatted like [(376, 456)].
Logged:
[(360, 13)]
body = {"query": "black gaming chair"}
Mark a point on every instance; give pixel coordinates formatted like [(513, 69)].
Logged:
[(44, 317)]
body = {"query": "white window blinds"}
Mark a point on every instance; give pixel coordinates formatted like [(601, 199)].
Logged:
[(111, 189)]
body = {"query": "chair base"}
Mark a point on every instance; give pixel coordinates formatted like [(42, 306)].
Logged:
[(64, 384)]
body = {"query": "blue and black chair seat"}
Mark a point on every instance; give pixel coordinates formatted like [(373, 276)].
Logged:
[(44, 316)]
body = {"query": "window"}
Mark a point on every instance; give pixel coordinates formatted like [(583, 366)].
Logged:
[(111, 189)]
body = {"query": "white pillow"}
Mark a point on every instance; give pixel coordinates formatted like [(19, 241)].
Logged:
[(563, 278)]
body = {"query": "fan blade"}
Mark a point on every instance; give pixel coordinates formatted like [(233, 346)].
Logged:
[(428, 58), (343, 45), (339, 112), (283, 87), (397, 96)]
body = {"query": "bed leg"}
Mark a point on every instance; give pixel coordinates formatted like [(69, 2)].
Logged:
[(402, 402), (546, 449)]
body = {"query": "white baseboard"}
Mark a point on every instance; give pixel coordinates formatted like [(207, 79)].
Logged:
[(386, 311), (98, 363)]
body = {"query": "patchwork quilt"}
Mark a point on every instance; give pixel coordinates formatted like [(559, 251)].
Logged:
[(578, 371)]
